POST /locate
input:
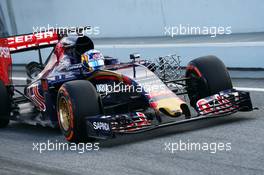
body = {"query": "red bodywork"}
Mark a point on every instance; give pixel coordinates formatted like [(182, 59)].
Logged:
[(5, 62), (20, 43)]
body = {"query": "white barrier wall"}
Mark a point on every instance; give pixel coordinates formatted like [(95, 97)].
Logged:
[(129, 18), (144, 18)]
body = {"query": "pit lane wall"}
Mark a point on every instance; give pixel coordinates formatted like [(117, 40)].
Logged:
[(130, 18), (134, 18)]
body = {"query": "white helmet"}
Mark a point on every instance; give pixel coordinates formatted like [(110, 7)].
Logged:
[(93, 59)]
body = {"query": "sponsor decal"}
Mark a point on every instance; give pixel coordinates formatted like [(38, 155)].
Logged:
[(101, 126), (4, 52), (36, 97), (75, 66), (32, 40)]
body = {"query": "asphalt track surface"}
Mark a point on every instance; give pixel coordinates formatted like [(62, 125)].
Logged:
[(146, 153)]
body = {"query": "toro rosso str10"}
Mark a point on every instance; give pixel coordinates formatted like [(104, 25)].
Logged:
[(91, 96)]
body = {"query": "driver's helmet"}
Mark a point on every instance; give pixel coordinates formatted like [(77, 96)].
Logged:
[(93, 60)]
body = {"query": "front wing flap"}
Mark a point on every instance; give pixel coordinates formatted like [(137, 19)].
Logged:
[(225, 102)]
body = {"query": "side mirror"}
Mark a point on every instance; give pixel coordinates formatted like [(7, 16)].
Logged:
[(134, 56)]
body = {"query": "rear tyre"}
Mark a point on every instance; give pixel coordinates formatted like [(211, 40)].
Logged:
[(76, 100), (5, 106), (208, 76)]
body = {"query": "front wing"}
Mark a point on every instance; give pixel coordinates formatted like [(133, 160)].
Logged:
[(218, 105)]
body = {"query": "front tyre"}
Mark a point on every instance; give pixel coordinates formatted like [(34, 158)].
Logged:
[(208, 76), (76, 100)]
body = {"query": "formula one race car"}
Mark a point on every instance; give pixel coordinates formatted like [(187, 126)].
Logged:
[(91, 96)]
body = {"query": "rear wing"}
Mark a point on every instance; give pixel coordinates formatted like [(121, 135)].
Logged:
[(26, 42), (21, 43), (41, 39)]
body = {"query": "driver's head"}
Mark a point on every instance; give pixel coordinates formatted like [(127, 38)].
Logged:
[(93, 60)]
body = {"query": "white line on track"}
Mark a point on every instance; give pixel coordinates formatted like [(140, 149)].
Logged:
[(238, 88), (164, 45), (250, 89)]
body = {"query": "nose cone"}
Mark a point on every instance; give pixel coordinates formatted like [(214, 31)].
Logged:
[(170, 106)]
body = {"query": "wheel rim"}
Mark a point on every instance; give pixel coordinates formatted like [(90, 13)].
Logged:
[(64, 113)]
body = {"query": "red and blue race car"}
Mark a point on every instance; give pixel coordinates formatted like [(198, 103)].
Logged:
[(90, 96)]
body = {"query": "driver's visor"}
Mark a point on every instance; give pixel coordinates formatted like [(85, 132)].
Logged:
[(96, 63)]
